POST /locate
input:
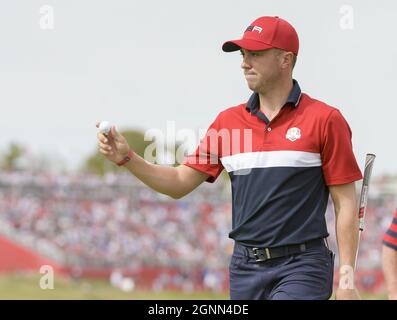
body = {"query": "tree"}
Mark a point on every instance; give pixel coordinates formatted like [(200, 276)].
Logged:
[(12, 156)]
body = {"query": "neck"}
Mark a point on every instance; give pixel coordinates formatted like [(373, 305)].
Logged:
[(273, 98)]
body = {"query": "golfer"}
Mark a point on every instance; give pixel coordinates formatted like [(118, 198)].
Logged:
[(285, 153)]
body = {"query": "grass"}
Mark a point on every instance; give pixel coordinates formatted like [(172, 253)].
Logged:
[(22, 286), (25, 286)]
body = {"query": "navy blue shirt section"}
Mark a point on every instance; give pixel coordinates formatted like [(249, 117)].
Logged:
[(279, 206)]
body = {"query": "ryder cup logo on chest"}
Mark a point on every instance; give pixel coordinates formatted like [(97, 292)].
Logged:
[(293, 134)]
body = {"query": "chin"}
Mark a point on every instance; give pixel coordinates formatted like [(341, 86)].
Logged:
[(251, 86)]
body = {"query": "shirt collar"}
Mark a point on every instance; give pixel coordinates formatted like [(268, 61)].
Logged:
[(293, 98)]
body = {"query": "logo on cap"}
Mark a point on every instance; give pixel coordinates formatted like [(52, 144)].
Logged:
[(293, 134), (254, 28)]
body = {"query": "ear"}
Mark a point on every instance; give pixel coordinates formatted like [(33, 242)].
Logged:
[(287, 60)]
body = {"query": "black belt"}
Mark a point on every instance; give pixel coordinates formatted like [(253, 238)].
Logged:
[(263, 254)]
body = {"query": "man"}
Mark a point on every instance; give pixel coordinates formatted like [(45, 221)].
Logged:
[(390, 258), (296, 151)]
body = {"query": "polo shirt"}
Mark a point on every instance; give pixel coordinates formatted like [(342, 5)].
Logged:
[(390, 237), (280, 170)]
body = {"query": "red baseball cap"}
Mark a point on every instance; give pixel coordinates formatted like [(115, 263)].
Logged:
[(266, 33)]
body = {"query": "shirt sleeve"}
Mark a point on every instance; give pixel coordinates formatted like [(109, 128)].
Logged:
[(338, 161), (206, 157), (390, 237)]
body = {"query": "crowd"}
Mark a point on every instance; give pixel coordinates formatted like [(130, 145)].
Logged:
[(379, 214), (117, 222)]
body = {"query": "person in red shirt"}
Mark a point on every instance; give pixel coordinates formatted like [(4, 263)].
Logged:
[(285, 153), (390, 258)]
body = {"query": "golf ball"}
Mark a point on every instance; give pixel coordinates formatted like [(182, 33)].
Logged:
[(104, 127)]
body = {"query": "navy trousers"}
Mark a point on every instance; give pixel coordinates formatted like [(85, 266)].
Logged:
[(304, 276)]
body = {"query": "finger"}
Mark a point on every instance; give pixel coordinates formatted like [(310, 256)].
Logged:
[(106, 152), (97, 124), (102, 138), (104, 146)]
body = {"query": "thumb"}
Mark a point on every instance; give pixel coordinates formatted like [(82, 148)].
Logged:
[(115, 133)]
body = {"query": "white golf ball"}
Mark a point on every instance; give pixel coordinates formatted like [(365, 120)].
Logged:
[(104, 127)]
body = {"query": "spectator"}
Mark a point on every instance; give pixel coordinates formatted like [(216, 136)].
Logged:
[(390, 258)]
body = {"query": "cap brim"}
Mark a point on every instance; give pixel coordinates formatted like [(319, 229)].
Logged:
[(248, 44)]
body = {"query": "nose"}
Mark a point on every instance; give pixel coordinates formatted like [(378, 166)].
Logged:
[(245, 63)]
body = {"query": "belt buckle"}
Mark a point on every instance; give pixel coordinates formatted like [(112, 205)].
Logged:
[(263, 257)]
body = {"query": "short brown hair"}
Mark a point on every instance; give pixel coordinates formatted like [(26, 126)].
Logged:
[(294, 61)]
